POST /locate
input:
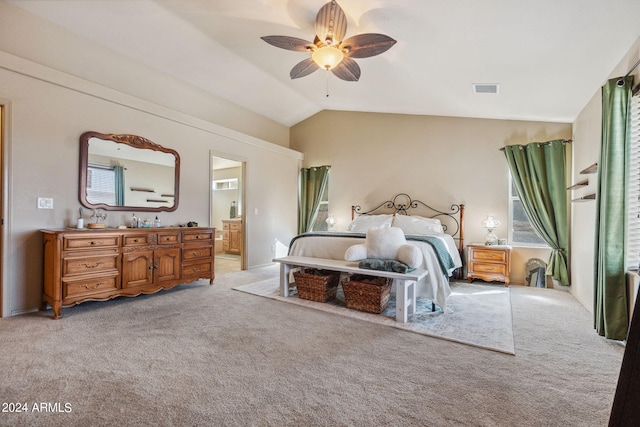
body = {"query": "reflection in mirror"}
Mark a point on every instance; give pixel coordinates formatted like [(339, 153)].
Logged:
[(127, 172)]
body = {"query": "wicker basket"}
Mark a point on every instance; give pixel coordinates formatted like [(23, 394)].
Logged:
[(366, 293), (317, 285)]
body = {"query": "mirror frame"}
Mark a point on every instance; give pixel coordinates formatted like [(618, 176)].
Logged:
[(135, 142)]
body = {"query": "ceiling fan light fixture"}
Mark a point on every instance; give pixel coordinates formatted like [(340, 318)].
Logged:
[(327, 57), (330, 50)]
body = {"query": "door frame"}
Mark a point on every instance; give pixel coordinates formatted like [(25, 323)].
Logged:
[(243, 194), (5, 128)]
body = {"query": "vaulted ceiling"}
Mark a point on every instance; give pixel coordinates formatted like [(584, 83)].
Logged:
[(549, 57)]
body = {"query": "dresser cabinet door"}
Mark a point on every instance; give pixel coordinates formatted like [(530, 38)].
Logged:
[(166, 264), (137, 268)]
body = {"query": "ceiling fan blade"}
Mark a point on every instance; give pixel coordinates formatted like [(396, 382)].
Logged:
[(347, 70), (303, 68), (331, 23), (289, 43), (366, 45)]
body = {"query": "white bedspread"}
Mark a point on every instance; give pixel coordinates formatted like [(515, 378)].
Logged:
[(434, 286)]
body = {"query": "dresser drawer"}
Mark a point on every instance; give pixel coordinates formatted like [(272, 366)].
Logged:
[(97, 285), (72, 265), (169, 238), (235, 226), (488, 268), (488, 255), (137, 239), (90, 242), (195, 236), (197, 270), (192, 252)]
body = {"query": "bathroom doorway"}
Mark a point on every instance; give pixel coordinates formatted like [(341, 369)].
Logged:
[(227, 212), (2, 201)]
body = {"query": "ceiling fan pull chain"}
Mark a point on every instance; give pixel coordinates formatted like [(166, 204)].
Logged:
[(327, 83)]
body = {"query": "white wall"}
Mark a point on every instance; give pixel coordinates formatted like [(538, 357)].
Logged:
[(439, 160), (49, 111), (587, 130), (30, 37)]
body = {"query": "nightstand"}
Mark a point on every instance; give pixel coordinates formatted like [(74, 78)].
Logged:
[(489, 263)]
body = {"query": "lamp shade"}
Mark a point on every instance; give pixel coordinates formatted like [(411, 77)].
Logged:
[(331, 222), (327, 57), (490, 223)]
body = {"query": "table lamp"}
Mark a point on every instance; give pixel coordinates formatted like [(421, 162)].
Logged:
[(490, 223)]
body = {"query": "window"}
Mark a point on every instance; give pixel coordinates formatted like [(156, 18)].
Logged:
[(521, 231), (101, 185), (633, 214), (323, 212)]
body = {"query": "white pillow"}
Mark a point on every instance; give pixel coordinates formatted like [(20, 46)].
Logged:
[(364, 222), (410, 255), (356, 252), (384, 242), (417, 225)]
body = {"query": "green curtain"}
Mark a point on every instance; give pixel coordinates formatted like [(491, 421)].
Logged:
[(311, 185), (538, 172), (610, 302), (119, 185)]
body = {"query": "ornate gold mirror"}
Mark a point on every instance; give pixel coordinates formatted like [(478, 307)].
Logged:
[(127, 172)]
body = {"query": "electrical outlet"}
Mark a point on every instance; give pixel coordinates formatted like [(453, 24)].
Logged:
[(45, 203)]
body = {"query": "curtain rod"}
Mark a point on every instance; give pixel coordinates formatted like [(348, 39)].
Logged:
[(564, 141), (621, 80)]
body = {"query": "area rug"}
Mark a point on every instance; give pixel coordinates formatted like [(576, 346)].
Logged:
[(481, 313)]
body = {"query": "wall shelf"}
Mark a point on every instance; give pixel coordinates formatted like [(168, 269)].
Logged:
[(590, 169), (586, 198), (580, 184)]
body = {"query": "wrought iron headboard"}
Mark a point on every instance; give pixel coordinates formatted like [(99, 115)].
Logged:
[(402, 203)]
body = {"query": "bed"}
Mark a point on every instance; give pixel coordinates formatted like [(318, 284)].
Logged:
[(438, 234)]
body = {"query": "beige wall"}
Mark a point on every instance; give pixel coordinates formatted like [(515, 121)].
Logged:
[(586, 151), (30, 37), (47, 113), (439, 160)]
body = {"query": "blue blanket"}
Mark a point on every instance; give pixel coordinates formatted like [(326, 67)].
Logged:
[(439, 247)]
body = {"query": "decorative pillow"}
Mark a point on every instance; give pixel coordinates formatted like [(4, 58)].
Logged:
[(410, 255), (365, 222), (383, 242), (417, 225), (356, 252), (386, 243)]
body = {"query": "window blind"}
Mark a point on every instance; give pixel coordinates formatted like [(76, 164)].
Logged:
[(633, 229)]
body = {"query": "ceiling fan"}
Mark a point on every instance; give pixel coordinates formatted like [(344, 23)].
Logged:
[(330, 50)]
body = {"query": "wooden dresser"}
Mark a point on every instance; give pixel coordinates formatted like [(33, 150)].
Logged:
[(489, 263), (232, 236), (82, 265)]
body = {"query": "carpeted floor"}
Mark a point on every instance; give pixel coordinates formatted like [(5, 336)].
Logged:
[(481, 313), (201, 355)]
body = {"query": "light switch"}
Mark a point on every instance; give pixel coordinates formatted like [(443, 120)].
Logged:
[(45, 203)]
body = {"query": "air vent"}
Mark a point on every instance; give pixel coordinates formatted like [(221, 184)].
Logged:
[(485, 88)]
